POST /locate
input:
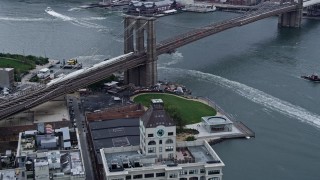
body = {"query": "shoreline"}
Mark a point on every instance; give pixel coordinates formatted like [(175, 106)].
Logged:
[(240, 130)]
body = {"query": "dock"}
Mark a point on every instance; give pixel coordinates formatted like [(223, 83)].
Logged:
[(246, 133), (242, 131), (199, 8)]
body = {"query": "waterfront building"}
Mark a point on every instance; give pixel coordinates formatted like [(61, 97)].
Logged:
[(216, 124), (151, 7), (313, 10), (158, 155)]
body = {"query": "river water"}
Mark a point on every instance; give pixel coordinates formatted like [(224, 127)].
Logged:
[(252, 72)]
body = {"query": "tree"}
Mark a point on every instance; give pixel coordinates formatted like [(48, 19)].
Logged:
[(190, 138), (176, 116)]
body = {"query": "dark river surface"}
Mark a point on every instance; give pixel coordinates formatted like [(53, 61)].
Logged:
[(253, 72)]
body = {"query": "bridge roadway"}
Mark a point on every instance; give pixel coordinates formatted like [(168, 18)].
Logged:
[(48, 93), (40, 96), (264, 10)]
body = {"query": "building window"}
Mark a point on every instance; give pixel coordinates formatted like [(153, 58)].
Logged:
[(160, 174), (151, 175), (151, 143), (173, 175), (138, 176), (169, 148), (151, 149), (213, 172), (150, 135), (202, 171), (160, 141), (170, 133), (193, 171), (169, 141), (128, 177), (183, 172), (160, 149), (214, 178)]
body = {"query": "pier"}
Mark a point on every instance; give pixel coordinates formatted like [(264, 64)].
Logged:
[(240, 129)]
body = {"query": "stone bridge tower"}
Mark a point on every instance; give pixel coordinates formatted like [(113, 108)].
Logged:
[(135, 30), (293, 18)]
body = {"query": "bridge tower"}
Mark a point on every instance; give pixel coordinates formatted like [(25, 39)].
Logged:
[(293, 18), (135, 30)]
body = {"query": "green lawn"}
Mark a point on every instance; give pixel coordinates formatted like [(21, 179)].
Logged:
[(19, 66), (191, 111)]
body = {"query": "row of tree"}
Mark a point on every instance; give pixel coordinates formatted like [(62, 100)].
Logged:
[(26, 59)]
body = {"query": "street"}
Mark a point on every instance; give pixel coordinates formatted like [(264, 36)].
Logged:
[(80, 123)]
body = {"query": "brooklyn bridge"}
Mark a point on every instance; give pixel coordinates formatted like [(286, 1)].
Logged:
[(140, 63)]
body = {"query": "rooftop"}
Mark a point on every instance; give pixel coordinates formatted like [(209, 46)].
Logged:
[(156, 101), (8, 174), (151, 2), (216, 120), (119, 159), (115, 133), (30, 141), (6, 69), (156, 115)]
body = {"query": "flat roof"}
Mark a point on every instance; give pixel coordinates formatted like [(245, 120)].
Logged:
[(196, 154), (115, 133), (156, 101), (216, 120), (129, 122), (44, 70), (200, 153), (6, 69), (8, 174)]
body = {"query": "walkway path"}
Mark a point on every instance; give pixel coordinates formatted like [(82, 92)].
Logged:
[(25, 79)]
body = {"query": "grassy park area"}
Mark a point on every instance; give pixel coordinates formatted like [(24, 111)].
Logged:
[(191, 111), (21, 64)]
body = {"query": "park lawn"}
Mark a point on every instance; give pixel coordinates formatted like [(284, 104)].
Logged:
[(20, 67), (191, 111)]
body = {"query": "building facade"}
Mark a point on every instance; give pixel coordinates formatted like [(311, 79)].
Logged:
[(215, 124), (157, 132), (159, 156), (6, 77)]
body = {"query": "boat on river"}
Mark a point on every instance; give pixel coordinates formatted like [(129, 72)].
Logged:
[(313, 77), (48, 9)]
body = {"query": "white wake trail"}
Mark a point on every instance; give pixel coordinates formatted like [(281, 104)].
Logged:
[(75, 21), (254, 95), (22, 19), (60, 16)]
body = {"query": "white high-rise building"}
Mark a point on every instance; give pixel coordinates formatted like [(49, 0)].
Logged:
[(157, 132), (159, 156)]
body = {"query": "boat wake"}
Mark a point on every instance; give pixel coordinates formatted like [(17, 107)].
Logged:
[(254, 95), (22, 19), (74, 9), (93, 18), (66, 18), (81, 23)]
